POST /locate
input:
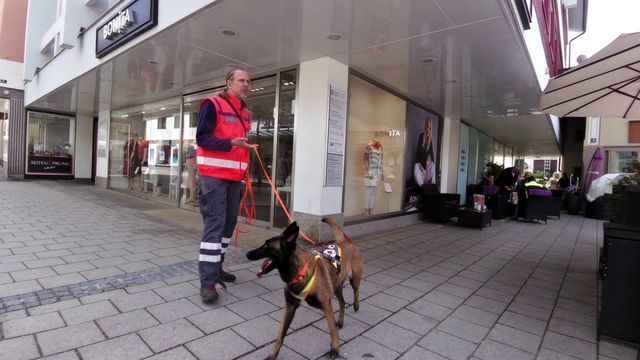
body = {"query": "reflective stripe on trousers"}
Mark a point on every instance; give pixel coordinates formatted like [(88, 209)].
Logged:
[(219, 203)]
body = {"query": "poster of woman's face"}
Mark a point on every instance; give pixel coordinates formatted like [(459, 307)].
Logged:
[(423, 161)]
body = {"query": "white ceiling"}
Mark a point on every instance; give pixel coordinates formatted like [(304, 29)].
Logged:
[(420, 48)]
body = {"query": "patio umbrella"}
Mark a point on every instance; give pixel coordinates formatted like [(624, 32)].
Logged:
[(595, 168), (607, 84)]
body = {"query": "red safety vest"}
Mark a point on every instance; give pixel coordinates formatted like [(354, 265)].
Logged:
[(228, 165)]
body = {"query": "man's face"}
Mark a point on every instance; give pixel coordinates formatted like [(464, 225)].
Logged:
[(239, 85)]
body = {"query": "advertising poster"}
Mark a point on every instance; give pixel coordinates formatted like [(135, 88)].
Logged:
[(422, 166)]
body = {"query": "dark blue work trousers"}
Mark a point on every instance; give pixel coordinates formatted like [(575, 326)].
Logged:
[(219, 203)]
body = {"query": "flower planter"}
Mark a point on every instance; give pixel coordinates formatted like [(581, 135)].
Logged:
[(573, 203)]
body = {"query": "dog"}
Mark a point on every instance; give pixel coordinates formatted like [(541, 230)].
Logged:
[(312, 277)]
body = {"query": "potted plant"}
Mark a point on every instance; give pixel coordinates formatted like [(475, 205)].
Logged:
[(573, 199), (493, 169)]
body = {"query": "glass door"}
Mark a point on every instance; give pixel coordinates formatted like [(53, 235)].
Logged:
[(284, 158)]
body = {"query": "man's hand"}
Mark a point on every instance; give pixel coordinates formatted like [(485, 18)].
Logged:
[(242, 142)]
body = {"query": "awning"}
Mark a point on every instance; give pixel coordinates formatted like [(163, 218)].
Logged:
[(607, 84)]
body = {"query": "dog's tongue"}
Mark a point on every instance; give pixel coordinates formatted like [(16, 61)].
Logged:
[(264, 265)]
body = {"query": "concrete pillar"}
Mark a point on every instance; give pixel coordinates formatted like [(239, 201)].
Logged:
[(104, 124), (451, 123), (84, 147), (312, 199)]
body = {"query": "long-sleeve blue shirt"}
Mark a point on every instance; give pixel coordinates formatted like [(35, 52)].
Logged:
[(204, 133)]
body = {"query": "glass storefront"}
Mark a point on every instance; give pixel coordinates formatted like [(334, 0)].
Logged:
[(144, 149), (391, 152), (50, 144)]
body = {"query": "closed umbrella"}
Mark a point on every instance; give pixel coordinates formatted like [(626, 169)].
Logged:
[(607, 84)]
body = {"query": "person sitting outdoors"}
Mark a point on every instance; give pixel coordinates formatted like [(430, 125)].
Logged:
[(487, 180), (564, 181)]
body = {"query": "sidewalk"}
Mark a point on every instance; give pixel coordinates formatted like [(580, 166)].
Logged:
[(87, 273)]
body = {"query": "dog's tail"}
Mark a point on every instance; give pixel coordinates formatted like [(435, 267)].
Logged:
[(337, 230)]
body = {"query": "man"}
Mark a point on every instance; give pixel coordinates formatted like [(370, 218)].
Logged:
[(564, 181), (222, 157), (508, 179)]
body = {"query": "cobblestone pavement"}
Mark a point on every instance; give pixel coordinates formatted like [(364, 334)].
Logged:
[(82, 277)]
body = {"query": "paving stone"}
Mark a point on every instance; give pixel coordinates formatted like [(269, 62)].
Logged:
[(18, 348), (54, 306), (416, 352), (32, 274), (264, 352), (177, 291), (166, 336), (252, 308), (31, 324), (444, 299), (530, 310), (101, 273), (144, 287), (310, 342), (515, 338), (83, 313), (246, 290), (447, 345), (103, 296), (371, 314), (387, 302), (420, 285), (173, 310), (618, 350), (234, 345), (303, 317), (137, 301), (127, 322), (574, 317), (69, 355), (587, 333), (401, 340), (125, 347), (361, 348), (484, 303), (491, 350), (179, 353), (463, 329), (429, 309), (67, 338), (546, 354), (258, 331), (417, 323), (19, 288), (570, 346), (350, 329), (404, 292), (61, 280)]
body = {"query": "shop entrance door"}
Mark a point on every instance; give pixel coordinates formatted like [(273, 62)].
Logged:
[(271, 104)]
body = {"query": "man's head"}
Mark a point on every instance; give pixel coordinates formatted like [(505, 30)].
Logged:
[(518, 169), (527, 175), (490, 180), (238, 82)]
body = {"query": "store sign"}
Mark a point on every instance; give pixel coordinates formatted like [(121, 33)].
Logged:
[(49, 165), (135, 19), (387, 133)]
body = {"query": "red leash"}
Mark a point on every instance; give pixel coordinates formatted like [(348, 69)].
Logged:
[(250, 212)]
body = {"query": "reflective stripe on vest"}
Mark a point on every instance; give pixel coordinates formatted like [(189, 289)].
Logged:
[(229, 164)]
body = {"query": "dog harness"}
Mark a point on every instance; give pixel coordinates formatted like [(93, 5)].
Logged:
[(331, 253)]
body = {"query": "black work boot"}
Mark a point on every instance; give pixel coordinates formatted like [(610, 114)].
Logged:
[(208, 293), (227, 277)]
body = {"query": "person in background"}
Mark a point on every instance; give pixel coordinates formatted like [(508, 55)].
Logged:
[(564, 182), (487, 180), (222, 157), (508, 179)]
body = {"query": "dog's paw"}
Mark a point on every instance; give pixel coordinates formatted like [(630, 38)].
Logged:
[(339, 324), (270, 357), (356, 306), (334, 354)]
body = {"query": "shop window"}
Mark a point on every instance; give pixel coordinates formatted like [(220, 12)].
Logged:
[(388, 158), (193, 119), (176, 121), (162, 123), (50, 144)]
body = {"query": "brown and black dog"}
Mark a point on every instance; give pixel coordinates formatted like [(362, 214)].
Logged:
[(311, 277)]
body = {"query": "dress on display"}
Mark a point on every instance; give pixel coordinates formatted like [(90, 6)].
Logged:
[(373, 161)]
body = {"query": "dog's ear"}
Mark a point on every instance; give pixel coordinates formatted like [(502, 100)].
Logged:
[(291, 233)]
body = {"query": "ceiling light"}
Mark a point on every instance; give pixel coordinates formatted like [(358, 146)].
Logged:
[(228, 32), (142, 112), (428, 60), (334, 36), (163, 108), (151, 61), (188, 104), (125, 115)]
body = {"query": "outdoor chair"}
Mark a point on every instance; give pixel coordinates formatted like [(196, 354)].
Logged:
[(439, 207)]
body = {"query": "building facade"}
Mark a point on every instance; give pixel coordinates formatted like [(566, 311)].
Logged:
[(355, 104)]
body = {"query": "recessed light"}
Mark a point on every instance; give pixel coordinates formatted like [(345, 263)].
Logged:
[(151, 61), (334, 36), (188, 104), (142, 112), (428, 60), (228, 32), (125, 115), (163, 108)]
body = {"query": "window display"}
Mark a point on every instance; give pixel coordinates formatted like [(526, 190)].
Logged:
[(50, 143)]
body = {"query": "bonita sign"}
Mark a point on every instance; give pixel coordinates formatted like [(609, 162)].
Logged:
[(118, 24)]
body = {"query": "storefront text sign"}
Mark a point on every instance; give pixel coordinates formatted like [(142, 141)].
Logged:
[(336, 131), (49, 165), (138, 17)]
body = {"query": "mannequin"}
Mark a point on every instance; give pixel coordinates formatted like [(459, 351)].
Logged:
[(131, 160), (373, 171), (191, 173)]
